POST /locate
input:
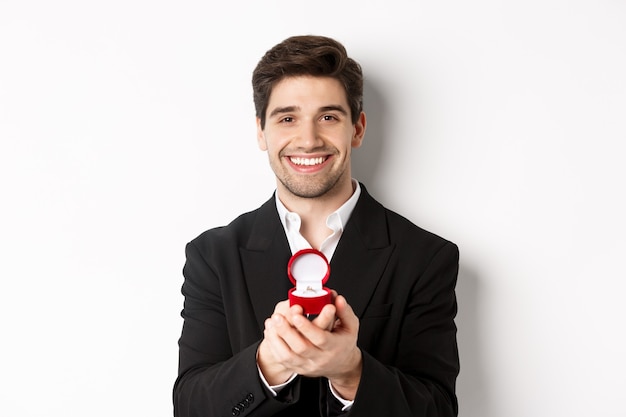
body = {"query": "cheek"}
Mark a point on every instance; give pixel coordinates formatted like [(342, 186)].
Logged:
[(274, 144)]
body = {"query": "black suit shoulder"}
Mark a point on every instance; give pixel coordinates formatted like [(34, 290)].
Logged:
[(382, 226), (406, 233)]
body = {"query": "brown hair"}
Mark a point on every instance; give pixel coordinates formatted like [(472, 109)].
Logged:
[(307, 55)]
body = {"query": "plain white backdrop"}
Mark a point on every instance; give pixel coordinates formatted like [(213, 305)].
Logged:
[(127, 128)]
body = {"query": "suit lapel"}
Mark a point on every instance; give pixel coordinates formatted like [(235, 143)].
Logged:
[(264, 261), (362, 253)]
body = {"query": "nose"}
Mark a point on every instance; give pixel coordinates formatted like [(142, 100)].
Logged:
[(308, 136)]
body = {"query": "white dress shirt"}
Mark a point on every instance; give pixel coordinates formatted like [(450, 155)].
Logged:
[(336, 222)]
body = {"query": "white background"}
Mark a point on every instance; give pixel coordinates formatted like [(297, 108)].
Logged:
[(127, 128)]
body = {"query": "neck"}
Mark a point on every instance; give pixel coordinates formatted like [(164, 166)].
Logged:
[(313, 212)]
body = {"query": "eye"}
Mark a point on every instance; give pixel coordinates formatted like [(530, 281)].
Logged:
[(329, 117), (287, 119)]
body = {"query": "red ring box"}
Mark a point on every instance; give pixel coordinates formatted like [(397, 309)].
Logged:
[(308, 270)]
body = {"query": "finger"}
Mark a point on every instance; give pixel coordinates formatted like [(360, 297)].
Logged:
[(310, 331), (326, 319), (277, 347), (345, 313), (290, 335), (295, 310), (282, 308)]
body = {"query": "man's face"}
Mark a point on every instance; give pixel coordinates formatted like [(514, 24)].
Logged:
[(309, 135)]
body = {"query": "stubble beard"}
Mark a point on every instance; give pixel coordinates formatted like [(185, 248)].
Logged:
[(314, 186)]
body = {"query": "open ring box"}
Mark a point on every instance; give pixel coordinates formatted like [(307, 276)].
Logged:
[(308, 270)]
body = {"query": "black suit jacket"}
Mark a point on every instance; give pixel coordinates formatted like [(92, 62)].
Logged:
[(398, 278)]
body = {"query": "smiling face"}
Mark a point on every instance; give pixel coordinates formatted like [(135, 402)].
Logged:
[(308, 136)]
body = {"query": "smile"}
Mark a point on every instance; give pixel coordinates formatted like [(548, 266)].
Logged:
[(307, 161)]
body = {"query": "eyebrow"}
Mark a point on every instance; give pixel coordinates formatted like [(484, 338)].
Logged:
[(291, 109), (281, 110), (335, 107)]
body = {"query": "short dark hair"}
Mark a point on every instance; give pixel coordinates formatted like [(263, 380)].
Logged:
[(318, 56)]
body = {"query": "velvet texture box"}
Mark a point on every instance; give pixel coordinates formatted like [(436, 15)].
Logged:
[(309, 270)]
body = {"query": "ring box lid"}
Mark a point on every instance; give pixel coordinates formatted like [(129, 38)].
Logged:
[(308, 270)]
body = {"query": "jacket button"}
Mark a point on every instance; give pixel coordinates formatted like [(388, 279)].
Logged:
[(250, 398), (236, 411)]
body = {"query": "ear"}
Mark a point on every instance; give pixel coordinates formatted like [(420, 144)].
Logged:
[(260, 136), (359, 130)]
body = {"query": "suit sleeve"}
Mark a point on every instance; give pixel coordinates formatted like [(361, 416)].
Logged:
[(213, 380), (420, 381)]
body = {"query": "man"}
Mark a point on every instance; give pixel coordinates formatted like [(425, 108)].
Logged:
[(386, 345)]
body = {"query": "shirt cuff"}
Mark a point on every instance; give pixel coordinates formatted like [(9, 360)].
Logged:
[(347, 404), (275, 389)]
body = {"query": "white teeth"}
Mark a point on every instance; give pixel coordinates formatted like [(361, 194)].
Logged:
[(307, 161)]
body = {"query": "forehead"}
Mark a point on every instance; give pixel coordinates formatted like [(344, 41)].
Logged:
[(306, 92)]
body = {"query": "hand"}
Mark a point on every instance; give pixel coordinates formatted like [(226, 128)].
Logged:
[(272, 368), (325, 320), (325, 346)]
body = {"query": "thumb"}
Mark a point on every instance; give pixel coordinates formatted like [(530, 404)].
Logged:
[(345, 312)]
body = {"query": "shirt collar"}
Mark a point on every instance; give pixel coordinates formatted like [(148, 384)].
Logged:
[(336, 221)]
